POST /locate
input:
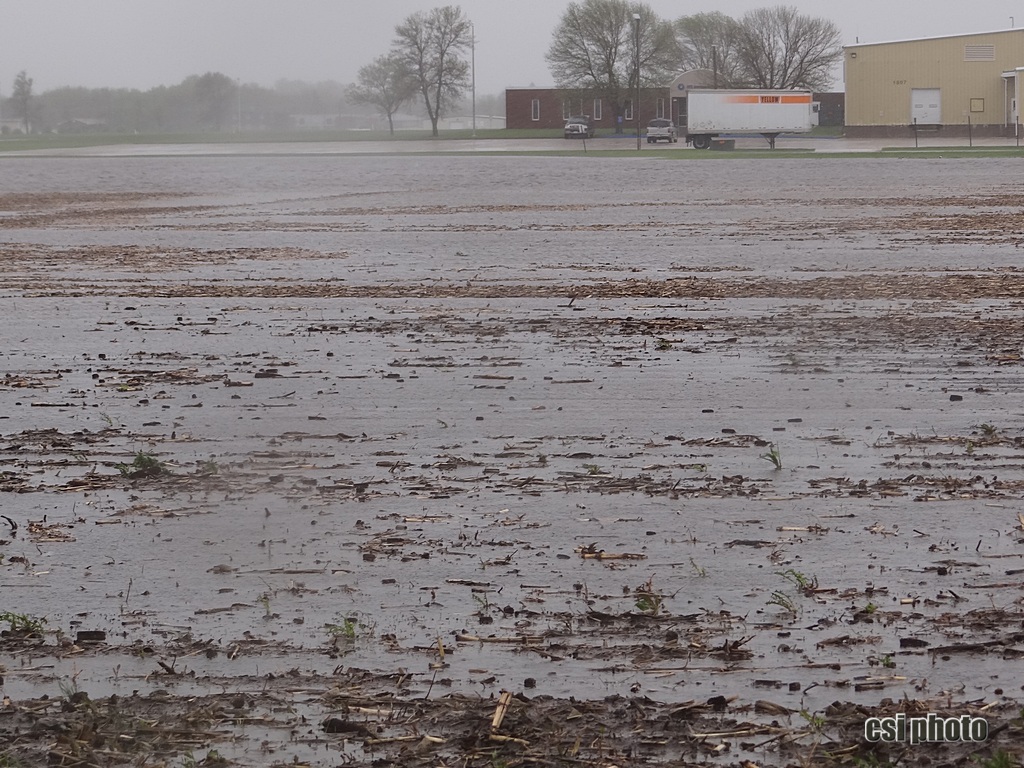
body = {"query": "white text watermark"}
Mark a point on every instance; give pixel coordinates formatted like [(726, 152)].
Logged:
[(925, 729)]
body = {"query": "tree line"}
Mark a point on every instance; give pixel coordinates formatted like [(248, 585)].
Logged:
[(600, 46), (211, 102), (603, 46)]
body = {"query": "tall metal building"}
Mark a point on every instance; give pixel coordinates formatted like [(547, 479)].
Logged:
[(948, 84)]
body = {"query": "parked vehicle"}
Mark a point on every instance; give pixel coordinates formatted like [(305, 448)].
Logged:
[(767, 112), (579, 127), (661, 129)]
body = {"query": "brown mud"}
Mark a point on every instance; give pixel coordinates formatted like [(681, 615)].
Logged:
[(490, 461)]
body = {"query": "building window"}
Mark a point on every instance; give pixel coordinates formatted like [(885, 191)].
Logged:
[(977, 105), (627, 109), (566, 114), (597, 109), (535, 109), (661, 108)]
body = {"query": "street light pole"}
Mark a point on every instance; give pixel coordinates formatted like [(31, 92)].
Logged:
[(636, 74), (472, 64)]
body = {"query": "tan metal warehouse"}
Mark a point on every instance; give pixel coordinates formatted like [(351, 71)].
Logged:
[(939, 83)]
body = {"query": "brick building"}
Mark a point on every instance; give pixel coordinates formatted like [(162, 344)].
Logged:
[(549, 107)]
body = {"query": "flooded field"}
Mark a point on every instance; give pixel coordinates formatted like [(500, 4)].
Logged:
[(487, 461)]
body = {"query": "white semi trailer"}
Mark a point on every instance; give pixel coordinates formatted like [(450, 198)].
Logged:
[(710, 113)]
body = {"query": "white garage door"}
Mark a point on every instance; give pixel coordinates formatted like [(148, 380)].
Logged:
[(926, 106)]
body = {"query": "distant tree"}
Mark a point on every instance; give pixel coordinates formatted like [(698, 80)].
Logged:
[(385, 84), (428, 44), (781, 48), (708, 41), (22, 97), (593, 49), (215, 95)]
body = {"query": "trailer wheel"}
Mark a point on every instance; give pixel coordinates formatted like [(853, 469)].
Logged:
[(701, 142)]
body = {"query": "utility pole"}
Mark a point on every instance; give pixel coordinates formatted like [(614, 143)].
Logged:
[(472, 64), (636, 73)]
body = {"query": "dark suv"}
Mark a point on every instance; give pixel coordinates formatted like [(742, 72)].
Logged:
[(579, 126)]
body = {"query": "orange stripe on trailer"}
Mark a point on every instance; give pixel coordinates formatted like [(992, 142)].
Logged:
[(768, 98)]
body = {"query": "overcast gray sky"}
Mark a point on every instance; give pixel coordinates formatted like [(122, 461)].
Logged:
[(145, 43)]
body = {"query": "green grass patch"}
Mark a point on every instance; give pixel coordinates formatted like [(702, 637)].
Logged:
[(23, 623), (597, 147)]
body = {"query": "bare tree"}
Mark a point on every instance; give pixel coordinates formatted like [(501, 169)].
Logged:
[(708, 41), (386, 84), (215, 94), (781, 48), (593, 49), (428, 43), (22, 97)]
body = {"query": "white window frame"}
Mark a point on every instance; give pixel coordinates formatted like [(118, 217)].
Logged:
[(566, 109), (597, 110), (535, 109), (661, 108), (627, 109)]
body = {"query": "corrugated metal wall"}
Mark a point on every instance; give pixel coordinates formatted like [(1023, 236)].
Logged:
[(966, 68)]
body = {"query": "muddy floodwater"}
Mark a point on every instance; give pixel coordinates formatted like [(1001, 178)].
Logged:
[(509, 461)]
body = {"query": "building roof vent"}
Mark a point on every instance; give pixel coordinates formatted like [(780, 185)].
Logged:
[(979, 53)]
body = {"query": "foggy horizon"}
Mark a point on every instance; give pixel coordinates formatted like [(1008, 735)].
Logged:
[(143, 44)]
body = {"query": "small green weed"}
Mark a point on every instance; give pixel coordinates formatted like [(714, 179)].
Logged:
[(647, 600), (209, 467), (698, 570), (784, 601), (799, 580), (143, 465), (68, 688), (816, 722), (593, 469), (483, 602), (23, 624), (774, 455), (346, 629), (264, 600)]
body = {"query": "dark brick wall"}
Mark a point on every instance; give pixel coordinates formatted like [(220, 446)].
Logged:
[(518, 105), (832, 109)]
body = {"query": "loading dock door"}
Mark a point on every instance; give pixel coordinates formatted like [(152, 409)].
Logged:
[(926, 106)]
